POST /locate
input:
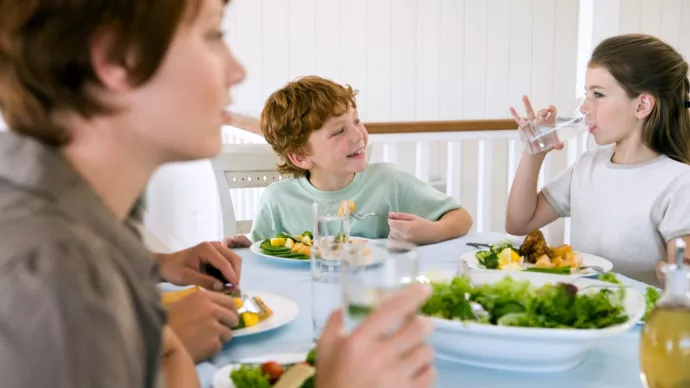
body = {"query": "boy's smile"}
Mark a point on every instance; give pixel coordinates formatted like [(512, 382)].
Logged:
[(336, 152)]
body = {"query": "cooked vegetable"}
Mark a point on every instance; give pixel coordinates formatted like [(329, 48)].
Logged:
[(488, 259), (519, 303), (501, 245), (556, 271), (283, 251)]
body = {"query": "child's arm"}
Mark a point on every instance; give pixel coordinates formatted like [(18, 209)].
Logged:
[(415, 229), (527, 209), (453, 224)]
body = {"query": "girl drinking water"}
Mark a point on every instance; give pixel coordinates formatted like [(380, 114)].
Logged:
[(629, 198)]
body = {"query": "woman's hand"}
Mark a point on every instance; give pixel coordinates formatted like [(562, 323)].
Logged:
[(376, 355)]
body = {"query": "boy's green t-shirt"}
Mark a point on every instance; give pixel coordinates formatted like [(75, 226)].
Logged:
[(286, 206)]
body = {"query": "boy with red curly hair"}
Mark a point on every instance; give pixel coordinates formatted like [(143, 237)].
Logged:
[(313, 125)]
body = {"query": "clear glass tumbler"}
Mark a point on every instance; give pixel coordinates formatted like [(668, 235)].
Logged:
[(331, 233), (370, 273), (543, 135)]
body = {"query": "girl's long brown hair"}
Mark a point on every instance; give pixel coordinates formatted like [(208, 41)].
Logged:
[(645, 64)]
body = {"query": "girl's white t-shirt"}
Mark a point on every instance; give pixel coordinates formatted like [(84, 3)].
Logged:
[(624, 213)]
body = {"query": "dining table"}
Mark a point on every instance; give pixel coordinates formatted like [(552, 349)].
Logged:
[(611, 363)]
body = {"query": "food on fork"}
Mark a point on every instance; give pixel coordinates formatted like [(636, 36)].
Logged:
[(247, 319), (345, 204)]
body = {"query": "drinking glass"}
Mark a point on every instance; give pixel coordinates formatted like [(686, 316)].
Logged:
[(542, 136), (370, 273), (331, 233)]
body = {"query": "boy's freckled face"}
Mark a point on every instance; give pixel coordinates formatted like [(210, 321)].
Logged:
[(340, 145)]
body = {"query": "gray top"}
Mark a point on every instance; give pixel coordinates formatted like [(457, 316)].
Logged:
[(624, 213), (78, 300)]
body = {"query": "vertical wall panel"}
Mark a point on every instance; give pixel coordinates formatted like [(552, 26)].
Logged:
[(302, 35), (328, 30), (476, 26)]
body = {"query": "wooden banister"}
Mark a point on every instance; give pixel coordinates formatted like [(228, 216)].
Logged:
[(251, 124), (440, 126)]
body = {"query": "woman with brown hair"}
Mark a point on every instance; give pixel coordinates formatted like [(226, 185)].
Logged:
[(97, 94), (627, 199), (87, 89)]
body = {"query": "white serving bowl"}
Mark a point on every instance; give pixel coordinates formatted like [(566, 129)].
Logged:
[(521, 348)]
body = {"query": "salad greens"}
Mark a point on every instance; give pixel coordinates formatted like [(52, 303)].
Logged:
[(518, 303), (250, 376), (651, 294), (256, 376)]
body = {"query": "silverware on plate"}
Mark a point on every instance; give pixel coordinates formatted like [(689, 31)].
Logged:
[(477, 310), (478, 245)]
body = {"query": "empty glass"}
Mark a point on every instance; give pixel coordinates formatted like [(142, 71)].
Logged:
[(331, 232), (543, 135), (371, 272)]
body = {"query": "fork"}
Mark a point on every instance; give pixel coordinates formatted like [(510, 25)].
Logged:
[(594, 268), (477, 310), (249, 304), (367, 215)]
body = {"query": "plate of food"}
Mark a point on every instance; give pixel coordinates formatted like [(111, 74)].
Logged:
[(274, 310), (491, 317), (293, 249), (535, 255), (286, 370)]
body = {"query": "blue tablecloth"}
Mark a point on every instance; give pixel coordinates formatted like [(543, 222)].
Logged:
[(613, 363)]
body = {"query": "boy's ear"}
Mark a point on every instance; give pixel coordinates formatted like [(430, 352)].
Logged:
[(301, 160)]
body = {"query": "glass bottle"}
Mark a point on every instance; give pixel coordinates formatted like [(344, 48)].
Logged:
[(665, 341)]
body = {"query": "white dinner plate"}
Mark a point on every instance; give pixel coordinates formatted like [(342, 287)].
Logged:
[(256, 249), (284, 312), (221, 379), (587, 259)]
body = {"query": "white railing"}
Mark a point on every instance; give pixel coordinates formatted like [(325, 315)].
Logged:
[(475, 167)]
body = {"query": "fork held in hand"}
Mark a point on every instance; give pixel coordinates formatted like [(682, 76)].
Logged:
[(367, 215)]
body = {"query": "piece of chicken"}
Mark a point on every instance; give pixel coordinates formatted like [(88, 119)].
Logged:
[(534, 246)]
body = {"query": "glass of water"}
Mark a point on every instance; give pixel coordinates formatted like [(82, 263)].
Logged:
[(372, 272), (331, 233), (543, 135)]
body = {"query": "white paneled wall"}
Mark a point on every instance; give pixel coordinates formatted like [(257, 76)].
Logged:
[(667, 19), (437, 60), (420, 60)]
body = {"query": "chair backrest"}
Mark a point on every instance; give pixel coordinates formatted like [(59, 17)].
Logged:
[(243, 166)]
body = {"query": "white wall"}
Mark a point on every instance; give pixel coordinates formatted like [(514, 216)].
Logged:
[(421, 60), (411, 59)]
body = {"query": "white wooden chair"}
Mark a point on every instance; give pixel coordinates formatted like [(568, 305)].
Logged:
[(243, 166)]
